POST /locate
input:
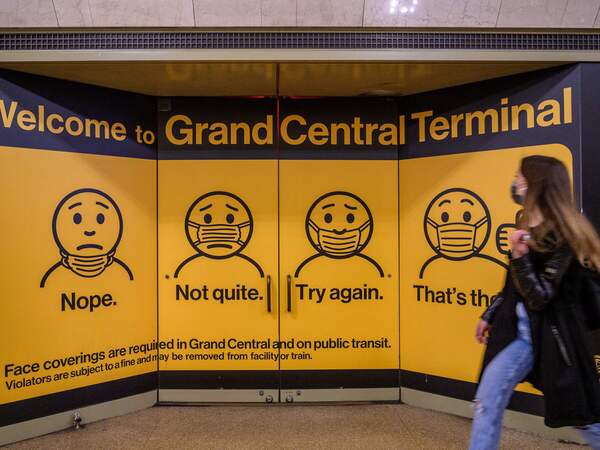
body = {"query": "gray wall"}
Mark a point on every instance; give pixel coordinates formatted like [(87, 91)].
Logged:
[(300, 13)]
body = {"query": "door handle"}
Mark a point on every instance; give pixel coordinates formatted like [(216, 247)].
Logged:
[(289, 293), (268, 293)]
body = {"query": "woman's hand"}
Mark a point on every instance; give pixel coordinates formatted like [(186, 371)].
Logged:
[(519, 244), (482, 331)]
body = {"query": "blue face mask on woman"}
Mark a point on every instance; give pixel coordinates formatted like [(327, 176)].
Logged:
[(519, 199)]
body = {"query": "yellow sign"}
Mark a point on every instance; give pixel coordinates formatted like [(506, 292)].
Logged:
[(455, 217), (218, 265), (339, 264), (78, 296)]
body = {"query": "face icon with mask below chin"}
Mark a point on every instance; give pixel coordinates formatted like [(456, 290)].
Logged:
[(339, 225), (457, 224), (87, 227), (218, 225)]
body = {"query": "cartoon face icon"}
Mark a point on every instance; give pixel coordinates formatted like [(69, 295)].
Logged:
[(87, 223), (218, 225), (339, 224), (457, 224)]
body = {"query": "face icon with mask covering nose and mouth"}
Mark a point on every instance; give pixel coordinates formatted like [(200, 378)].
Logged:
[(87, 227), (457, 224), (218, 225), (339, 225)]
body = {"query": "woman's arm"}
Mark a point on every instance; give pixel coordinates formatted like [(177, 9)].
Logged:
[(539, 289), (482, 330), (489, 314)]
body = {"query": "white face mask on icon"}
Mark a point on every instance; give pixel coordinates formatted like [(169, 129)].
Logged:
[(457, 239), (87, 266), (221, 233), (343, 243)]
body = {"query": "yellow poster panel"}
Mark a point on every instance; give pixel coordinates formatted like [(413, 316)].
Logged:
[(77, 295), (339, 264), (456, 213), (218, 265)]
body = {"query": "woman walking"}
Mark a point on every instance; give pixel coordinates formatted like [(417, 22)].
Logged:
[(537, 329)]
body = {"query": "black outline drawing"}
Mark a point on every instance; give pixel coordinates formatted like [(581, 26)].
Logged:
[(500, 240), (64, 253), (476, 251), (193, 242), (359, 248)]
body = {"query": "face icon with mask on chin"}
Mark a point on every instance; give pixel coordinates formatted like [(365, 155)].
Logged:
[(87, 228), (339, 225), (457, 224), (218, 225)]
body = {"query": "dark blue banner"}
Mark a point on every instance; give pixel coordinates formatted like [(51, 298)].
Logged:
[(47, 113), (535, 108), (217, 128)]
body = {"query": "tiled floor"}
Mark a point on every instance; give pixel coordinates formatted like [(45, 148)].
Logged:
[(281, 427)]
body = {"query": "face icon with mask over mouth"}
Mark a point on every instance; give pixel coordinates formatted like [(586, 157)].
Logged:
[(87, 227), (339, 224), (218, 225), (457, 224)]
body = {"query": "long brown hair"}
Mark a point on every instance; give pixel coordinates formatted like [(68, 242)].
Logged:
[(549, 189)]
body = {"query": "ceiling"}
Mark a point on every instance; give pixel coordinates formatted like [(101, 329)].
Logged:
[(287, 79)]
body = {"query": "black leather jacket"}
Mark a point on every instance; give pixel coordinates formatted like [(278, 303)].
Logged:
[(537, 289), (555, 290)]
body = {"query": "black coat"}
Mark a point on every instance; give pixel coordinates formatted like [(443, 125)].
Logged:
[(554, 288)]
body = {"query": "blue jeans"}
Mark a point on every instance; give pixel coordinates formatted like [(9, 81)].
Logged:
[(499, 379)]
